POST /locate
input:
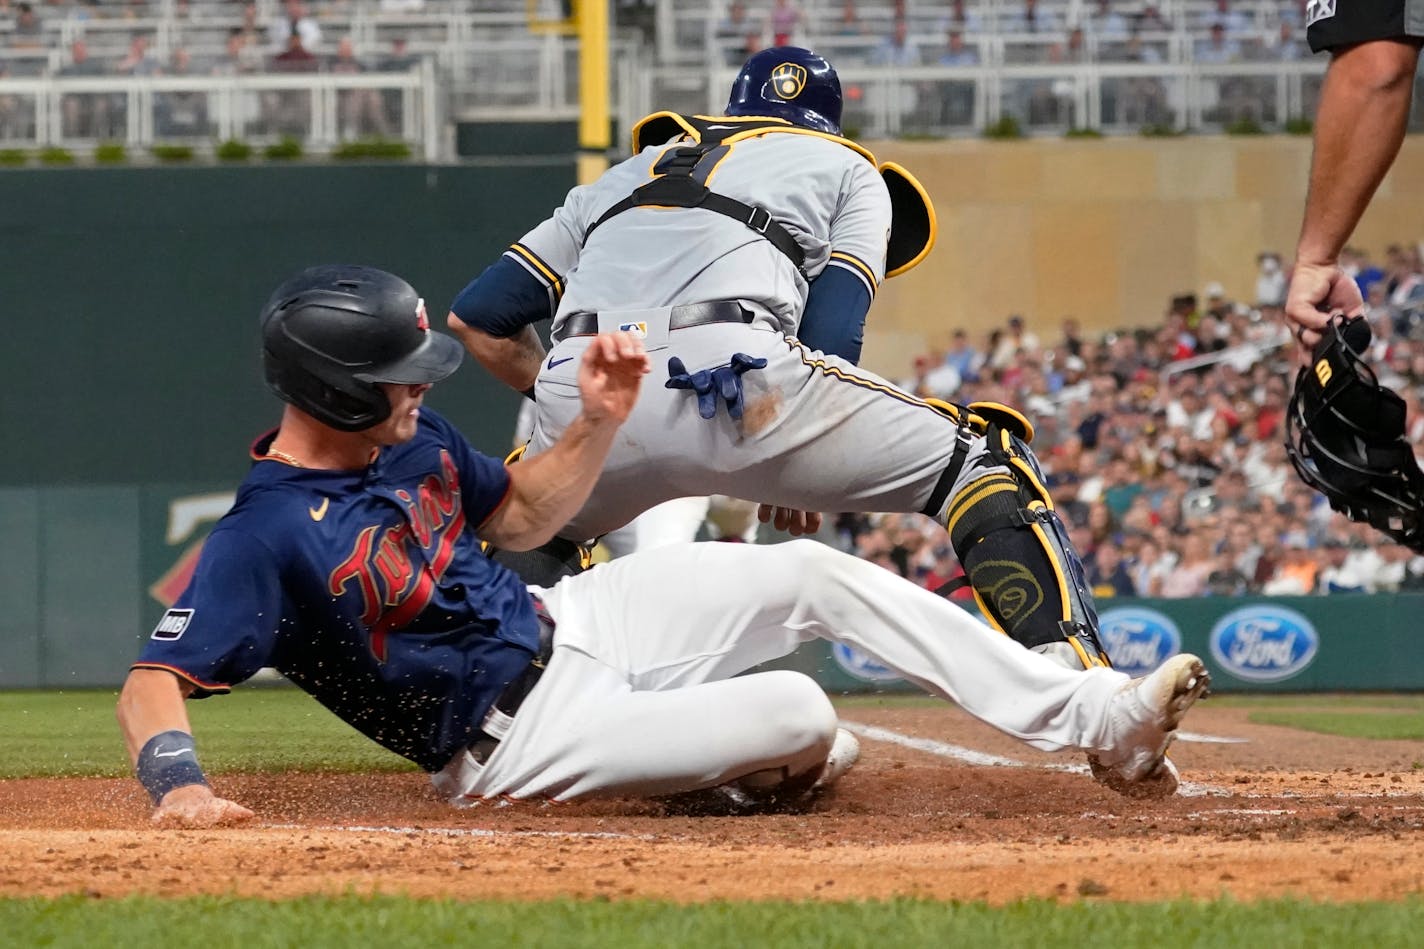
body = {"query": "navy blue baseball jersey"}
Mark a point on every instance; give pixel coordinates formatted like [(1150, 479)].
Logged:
[(366, 588)]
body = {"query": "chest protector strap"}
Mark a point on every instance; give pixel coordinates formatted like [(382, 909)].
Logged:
[(680, 173)]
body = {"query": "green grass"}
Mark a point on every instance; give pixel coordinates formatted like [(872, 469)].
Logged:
[(50, 734), (392, 921)]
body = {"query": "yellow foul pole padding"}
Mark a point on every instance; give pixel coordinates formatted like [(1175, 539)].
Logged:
[(592, 17)]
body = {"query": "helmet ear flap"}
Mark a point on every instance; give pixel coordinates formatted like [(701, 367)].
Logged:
[(326, 400)]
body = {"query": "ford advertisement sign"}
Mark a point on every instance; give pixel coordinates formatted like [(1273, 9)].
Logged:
[(860, 666), (1138, 640), (1264, 643)]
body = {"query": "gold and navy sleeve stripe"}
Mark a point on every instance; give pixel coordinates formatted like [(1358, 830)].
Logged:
[(536, 265), (855, 265)]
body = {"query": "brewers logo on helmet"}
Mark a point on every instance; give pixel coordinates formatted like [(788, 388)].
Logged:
[(791, 83), (788, 79)]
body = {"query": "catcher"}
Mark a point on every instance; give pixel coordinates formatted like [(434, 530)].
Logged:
[(746, 249)]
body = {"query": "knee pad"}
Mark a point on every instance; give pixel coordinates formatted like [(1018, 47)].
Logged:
[(1026, 576)]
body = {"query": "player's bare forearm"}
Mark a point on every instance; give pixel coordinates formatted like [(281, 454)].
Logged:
[(550, 488), (1364, 109), (151, 703), (513, 360)]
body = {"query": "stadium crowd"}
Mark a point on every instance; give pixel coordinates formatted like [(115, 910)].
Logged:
[(1164, 446)]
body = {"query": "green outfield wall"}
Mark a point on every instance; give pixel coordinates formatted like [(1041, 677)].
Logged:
[(129, 300)]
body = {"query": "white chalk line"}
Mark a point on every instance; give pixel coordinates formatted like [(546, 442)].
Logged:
[(985, 760), (461, 831)]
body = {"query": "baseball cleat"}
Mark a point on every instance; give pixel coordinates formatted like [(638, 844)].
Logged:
[(1145, 715), (845, 752)]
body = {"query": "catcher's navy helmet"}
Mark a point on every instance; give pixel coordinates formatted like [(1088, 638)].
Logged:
[(330, 334), (788, 82)]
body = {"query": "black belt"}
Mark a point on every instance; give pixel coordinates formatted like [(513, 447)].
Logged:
[(519, 688), (689, 314)]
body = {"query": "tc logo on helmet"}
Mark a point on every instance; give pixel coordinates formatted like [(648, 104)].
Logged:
[(788, 79), (422, 321)]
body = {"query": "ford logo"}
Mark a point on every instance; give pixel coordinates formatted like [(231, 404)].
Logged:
[(860, 666), (1138, 640), (1264, 643)]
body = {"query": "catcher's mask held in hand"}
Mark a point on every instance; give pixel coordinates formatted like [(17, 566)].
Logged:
[(1345, 437)]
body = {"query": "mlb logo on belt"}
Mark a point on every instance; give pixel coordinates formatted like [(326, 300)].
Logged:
[(637, 329)]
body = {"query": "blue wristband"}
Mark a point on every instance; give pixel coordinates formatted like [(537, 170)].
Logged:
[(168, 760)]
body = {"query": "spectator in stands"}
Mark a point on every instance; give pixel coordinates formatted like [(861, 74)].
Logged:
[(1188, 577), (1018, 339), (1285, 45), (1218, 47), (1107, 23), (896, 49), (1339, 573), (1108, 575), (181, 113), (961, 19), (1151, 20), (400, 58), (238, 58), (293, 19), (28, 31), (848, 21), (739, 26), (1232, 20), (139, 61), (1032, 19), (288, 111), (1270, 279), (785, 20), (957, 52), (85, 114), (359, 111)]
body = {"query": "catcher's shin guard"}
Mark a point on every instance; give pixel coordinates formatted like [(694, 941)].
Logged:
[(1025, 574)]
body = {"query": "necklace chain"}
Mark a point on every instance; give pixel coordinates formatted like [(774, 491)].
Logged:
[(280, 455)]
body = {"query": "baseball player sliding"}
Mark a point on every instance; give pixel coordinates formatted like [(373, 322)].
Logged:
[(745, 249), (351, 562)]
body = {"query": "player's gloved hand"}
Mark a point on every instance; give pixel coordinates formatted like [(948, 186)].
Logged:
[(723, 382), (794, 522), (195, 805)]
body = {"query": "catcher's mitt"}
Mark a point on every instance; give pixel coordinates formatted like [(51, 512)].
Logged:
[(1345, 437)]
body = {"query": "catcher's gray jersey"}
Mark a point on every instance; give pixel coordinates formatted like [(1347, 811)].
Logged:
[(827, 193)]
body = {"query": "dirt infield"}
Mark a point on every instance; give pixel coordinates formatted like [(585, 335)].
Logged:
[(1270, 812)]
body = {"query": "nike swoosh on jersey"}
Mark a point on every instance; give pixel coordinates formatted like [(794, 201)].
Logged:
[(317, 513), (558, 362), (169, 754)]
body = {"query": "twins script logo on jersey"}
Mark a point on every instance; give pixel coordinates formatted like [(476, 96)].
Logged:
[(173, 624), (394, 586), (1318, 10), (637, 329), (788, 80)]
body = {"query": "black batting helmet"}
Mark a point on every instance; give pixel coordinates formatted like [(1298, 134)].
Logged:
[(330, 333), (788, 82)]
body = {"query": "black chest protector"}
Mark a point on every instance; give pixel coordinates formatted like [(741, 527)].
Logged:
[(681, 173)]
